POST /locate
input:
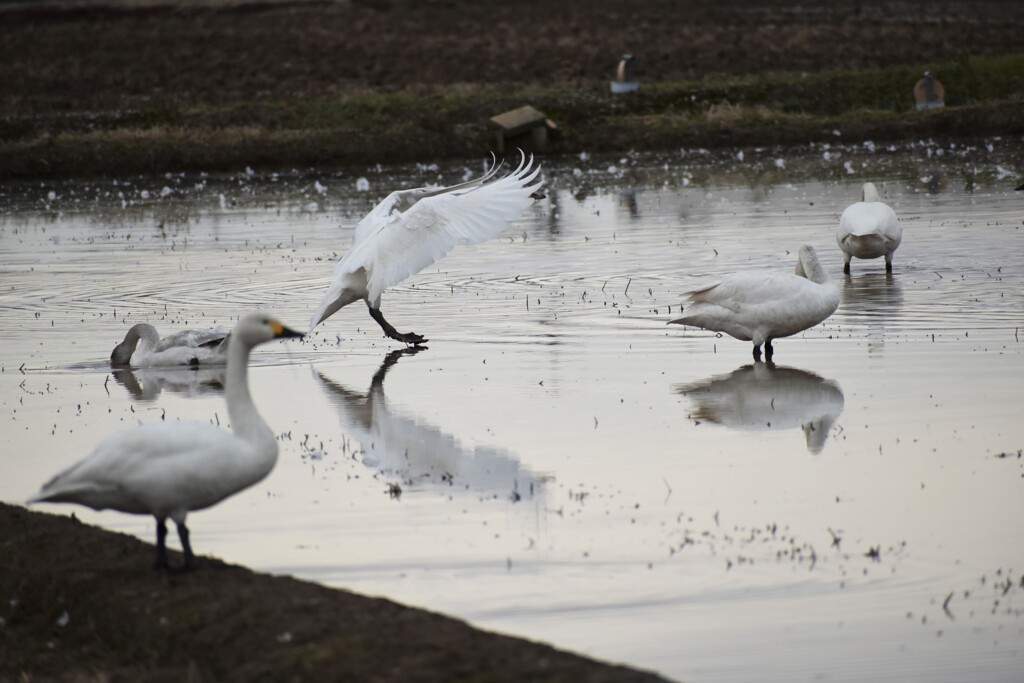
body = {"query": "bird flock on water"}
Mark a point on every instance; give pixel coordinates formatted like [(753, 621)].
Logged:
[(167, 470)]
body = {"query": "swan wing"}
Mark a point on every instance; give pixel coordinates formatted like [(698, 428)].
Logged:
[(869, 218), (192, 338), (379, 214), (743, 290), (759, 305), (156, 468), (402, 200), (406, 242), (213, 352)]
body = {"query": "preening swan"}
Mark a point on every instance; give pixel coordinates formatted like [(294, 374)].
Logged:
[(868, 229), (762, 306), (411, 229), (143, 348), (168, 469)]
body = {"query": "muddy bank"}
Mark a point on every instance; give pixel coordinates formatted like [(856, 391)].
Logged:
[(82, 604)]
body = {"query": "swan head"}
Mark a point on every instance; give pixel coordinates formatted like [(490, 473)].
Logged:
[(121, 356), (869, 193), (257, 328), (816, 432), (808, 265)]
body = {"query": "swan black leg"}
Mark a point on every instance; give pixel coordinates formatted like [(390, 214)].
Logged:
[(161, 544), (846, 268), (888, 266), (757, 352), (190, 558), (389, 330), (768, 350)]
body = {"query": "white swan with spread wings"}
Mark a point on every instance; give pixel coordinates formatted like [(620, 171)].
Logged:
[(411, 229)]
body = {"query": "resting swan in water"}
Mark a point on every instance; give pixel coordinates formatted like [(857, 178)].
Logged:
[(868, 229), (143, 348), (168, 469), (411, 229), (765, 305)]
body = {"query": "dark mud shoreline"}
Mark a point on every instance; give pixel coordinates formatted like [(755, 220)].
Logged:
[(82, 604)]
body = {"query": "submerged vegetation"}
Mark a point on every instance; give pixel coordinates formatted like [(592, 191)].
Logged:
[(984, 97)]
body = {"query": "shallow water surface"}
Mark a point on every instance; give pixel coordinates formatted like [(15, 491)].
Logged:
[(558, 462)]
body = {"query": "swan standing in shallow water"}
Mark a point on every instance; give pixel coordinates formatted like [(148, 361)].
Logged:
[(762, 306), (411, 229), (868, 229), (143, 348), (168, 469)]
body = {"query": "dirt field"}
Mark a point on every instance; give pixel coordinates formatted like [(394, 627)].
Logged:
[(124, 87), (83, 56)]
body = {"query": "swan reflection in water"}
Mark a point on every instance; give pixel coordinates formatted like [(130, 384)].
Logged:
[(765, 396), (145, 384), (871, 295), (873, 303), (420, 455)]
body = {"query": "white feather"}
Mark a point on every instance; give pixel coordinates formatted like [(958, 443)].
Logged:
[(762, 306), (170, 469), (143, 347), (411, 229), (868, 229)]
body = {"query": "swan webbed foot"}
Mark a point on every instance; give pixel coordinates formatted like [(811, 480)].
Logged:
[(409, 338), (389, 330)]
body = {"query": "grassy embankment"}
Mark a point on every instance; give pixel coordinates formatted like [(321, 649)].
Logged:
[(984, 96)]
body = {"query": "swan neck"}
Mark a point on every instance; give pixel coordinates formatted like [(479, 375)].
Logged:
[(145, 338), (246, 421), (812, 268), (869, 193)]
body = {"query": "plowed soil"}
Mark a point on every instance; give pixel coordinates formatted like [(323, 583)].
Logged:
[(58, 56)]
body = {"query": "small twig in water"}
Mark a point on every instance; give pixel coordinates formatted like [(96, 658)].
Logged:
[(945, 606)]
